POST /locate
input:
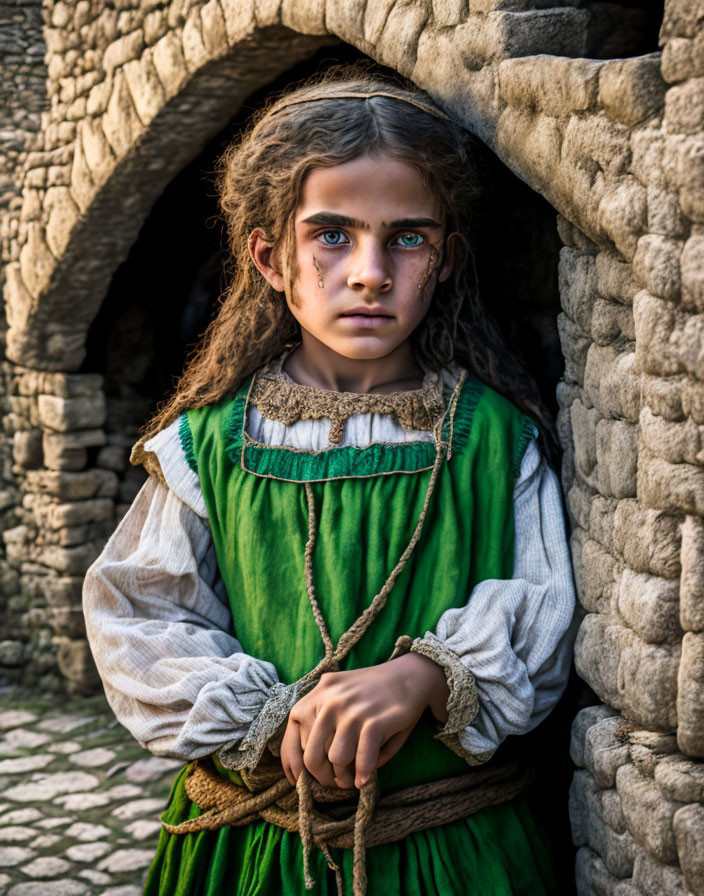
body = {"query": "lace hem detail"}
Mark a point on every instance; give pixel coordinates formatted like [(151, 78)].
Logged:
[(463, 702), (245, 753)]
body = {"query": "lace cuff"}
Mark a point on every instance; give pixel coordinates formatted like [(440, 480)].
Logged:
[(266, 729), (462, 704)]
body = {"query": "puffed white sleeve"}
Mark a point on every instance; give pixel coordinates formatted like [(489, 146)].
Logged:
[(507, 652), (160, 627)]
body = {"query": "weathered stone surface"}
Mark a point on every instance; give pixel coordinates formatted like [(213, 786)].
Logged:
[(653, 879), (680, 779), (692, 579), (27, 448), (48, 786), (632, 90), (657, 265), (690, 706), (650, 606), (617, 458), (604, 753), (126, 860), (648, 815), (684, 107), (617, 850), (689, 832), (648, 540), (47, 866), (677, 488), (611, 383), (65, 414), (69, 486), (584, 720)]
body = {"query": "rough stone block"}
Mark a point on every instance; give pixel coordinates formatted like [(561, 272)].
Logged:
[(611, 322), (213, 29), (80, 512), (601, 520), (689, 832), (617, 458), (76, 663), (650, 606), (584, 423), (575, 345), (617, 850), (648, 816), (595, 573), (71, 561), (648, 146), (68, 622), (690, 702), (684, 107), (122, 50), (692, 579), (655, 323), (657, 265), (450, 12), (647, 681), (664, 214), (65, 414), (194, 51), (623, 213), (170, 63), (555, 85), (305, 16), (602, 143), (145, 87), (267, 12), (96, 150), (604, 753), (121, 124), (692, 267), (398, 41), (676, 488), (610, 382), (591, 875), (36, 261), (27, 449), (583, 721), (663, 395), (690, 177), (632, 90), (239, 18), (73, 486), (653, 879), (648, 540), (680, 779), (62, 217), (676, 443), (614, 278), (577, 283), (677, 62)]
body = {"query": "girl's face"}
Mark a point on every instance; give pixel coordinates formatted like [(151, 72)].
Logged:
[(369, 239)]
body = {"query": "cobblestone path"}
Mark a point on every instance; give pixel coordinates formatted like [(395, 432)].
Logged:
[(79, 800)]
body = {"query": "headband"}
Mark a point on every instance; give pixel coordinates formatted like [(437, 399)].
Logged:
[(438, 113)]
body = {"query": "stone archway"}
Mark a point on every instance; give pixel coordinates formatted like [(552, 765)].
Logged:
[(615, 145)]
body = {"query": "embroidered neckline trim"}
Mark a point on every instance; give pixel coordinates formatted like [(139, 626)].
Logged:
[(279, 397)]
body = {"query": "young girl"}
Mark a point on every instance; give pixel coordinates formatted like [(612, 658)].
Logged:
[(346, 581)]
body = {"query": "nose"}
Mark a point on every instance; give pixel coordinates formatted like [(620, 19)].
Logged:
[(369, 267)]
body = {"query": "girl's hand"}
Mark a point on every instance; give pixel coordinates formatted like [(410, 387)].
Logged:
[(353, 722)]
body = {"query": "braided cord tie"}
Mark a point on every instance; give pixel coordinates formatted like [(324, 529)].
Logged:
[(239, 807)]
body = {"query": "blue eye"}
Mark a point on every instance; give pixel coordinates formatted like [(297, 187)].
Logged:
[(333, 237), (410, 240)]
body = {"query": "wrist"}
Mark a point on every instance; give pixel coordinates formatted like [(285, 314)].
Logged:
[(426, 676)]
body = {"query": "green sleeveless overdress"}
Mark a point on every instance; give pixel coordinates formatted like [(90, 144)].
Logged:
[(367, 503)]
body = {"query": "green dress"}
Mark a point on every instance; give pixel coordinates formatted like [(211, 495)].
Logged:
[(367, 502)]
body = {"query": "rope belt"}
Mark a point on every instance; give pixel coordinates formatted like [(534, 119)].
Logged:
[(334, 817), (349, 821)]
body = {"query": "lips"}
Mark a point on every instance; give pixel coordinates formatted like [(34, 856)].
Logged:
[(366, 312)]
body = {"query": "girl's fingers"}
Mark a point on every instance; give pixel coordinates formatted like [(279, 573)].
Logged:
[(315, 756), (393, 745), (292, 753), (370, 740), (341, 753)]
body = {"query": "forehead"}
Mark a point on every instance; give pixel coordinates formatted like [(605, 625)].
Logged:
[(370, 189)]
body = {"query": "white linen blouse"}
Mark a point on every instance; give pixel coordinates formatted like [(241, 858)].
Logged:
[(160, 628)]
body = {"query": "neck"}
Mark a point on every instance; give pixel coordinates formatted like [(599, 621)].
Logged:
[(313, 363)]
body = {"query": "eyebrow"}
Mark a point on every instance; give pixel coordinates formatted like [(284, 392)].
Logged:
[(330, 219)]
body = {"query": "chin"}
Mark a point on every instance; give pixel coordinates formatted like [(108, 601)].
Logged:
[(362, 350)]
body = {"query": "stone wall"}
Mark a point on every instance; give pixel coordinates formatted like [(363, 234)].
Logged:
[(616, 145)]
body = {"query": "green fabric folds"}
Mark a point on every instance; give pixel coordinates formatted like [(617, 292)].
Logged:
[(365, 514)]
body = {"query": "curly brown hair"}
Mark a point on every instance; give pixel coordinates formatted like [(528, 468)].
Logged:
[(260, 179)]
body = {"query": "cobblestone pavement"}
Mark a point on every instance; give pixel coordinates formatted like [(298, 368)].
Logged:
[(79, 800)]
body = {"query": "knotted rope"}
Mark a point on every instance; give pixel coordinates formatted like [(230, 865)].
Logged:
[(268, 795)]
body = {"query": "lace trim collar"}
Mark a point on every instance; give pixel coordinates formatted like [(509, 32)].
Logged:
[(279, 397)]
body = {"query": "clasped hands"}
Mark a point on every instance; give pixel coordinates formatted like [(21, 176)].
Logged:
[(355, 721)]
